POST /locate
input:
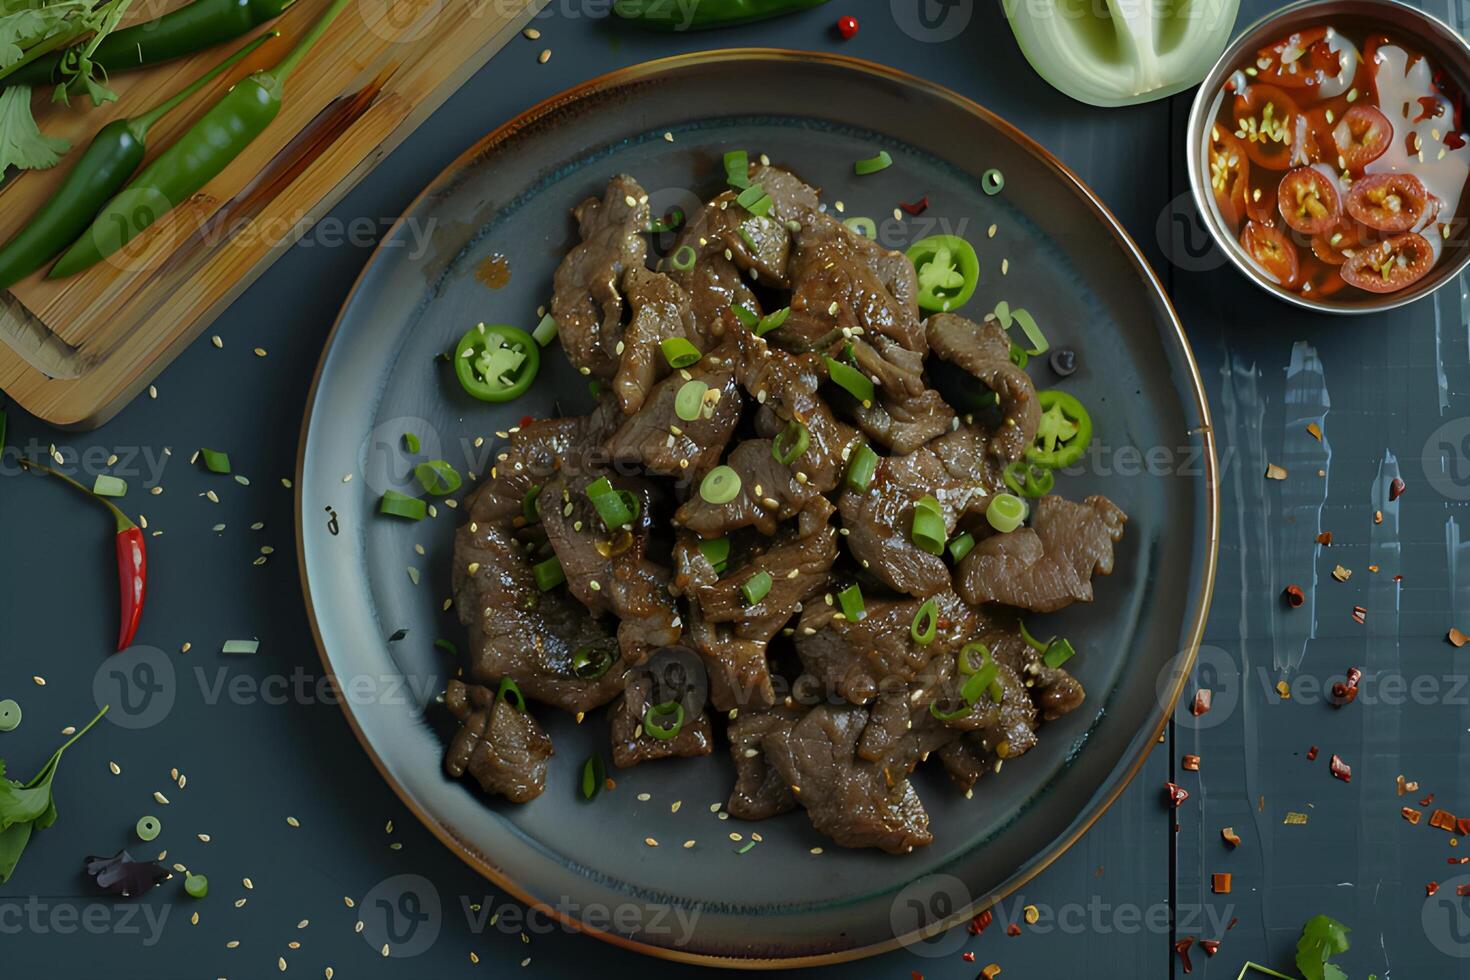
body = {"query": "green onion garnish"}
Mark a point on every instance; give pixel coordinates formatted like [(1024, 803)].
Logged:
[(720, 485), (594, 775), (960, 545), (756, 588), (1018, 355), (511, 694), (591, 662), (215, 462), (746, 848), (737, 168), (655, 723), (411, 442), (689, 401), (992, 182), (448, 646), (755, 200), (873, 164), (610, 504), (948, 716), (531, 504), (771, 321), (862, 226), (545, 331), (1058, 652), (857, 384), (549, 574), (928, 531), (1007, 316), (240, 647), (109, 486), (850, 600), (683, 258), (716, 551), (965, 659), (1031, 641), (397, 504), (437, 477), (926, 623), (745, 315), (790, 443), (983, 680), (669, 222), (861, 467), (679, 352), (1006, 512)]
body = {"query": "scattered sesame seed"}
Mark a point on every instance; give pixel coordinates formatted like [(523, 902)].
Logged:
[(292, 821), (215, 340), (544, 56), (152, 391), (116, 769), (650, 842), (249, 885)]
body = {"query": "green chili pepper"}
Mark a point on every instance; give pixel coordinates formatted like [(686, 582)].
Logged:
[(948, 270), (115, 152), (496, 363), (684, 15), (1064, 432), (1028, 479), (192, 28), (198, 156)]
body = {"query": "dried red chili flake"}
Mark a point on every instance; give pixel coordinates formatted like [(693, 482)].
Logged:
[(1210, 946), (1341, 769), (1177, 794), (1013, 930), (1360, 615), (1182, 948), (1464, 860), (1457, 638), (1294, 596), (1230, 836), (967, 956), (980, 922), (1395, 489), (918, 207), (1431, 888), (1454, 140), (1191, 762), (1346, 691), (527, 420), (1412, 815), (1312, 754), (1233, 923), (1462, 890), (1325, 538), (1220, 883), (1443, 820), (1462, 826), (1427, 800), (915, 975), (1203, 699)]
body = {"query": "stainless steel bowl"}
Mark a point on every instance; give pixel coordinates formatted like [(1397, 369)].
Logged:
[(1441, 43)]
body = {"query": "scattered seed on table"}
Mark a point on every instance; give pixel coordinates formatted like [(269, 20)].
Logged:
[(249, 885), (281, 962), (347, 901), (688, 844), (531, 33), (116, 769), (213, 497), (260, 352), (215, 340), (293, 821), (203, 838), (40, 681), (232, 944), (152, 391), (347, 478), (650, 842), (156, 491), (544, 56), (644, 797), (239, 903), (69, 730)]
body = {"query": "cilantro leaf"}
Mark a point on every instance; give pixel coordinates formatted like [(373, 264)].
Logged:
[(22, 144), (27, 807), (1322, 938)]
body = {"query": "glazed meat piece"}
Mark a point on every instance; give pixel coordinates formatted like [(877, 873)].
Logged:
[(769, 494), (982, 350), (536, 453), (611, 571), (714, 282), (659, 441), (586, 302), (854, 802), (631, 744), (517, 631), (500, 746), (760, 791), (1051, 563), (1054, 690), (661, 311), (760, 245), (904, 426)]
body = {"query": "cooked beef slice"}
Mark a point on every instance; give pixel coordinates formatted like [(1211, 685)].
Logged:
[(879, 520), (536, 453), (586, 302), (854, 802), (983, 351), (501, 747), (612, 571), (520, 632), (1049, 564), (714, 283), (1053, 689), (769, 494), (661, 311), (904, 426), (760, 791), (631, 744), (659, 441)]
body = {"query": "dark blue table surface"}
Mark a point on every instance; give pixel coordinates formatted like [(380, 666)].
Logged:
[(257, 742)]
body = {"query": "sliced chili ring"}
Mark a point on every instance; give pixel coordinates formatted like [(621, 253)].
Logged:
[(1265, 121), (948, 270), (1308, 201), (1336, 245), (1392, 202), (1273, 252), (1230, 172), (1300, 60), (1388, 266), (1028, 479), (1361, 136), (496, 363), (1064, 432)]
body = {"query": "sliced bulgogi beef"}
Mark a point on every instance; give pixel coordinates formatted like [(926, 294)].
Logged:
[(854, 802), (713, 283), (769, 494), (535, 454), (879, 520), (661, 311), (632, 743), (1053, 689), (520, 632), (586, 303), (904, 426), (1049, 564), (760, 790), (611, 571), (660, 441), (982, 350), (500, 746)]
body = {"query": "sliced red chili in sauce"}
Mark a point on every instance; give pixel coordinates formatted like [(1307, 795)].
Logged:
[(1336, 245), (1361, 136), (1229, 174), (1299, 60), (1388, 202), (1388, 266), (1265, 121), (1272, 251), (1308, 201)]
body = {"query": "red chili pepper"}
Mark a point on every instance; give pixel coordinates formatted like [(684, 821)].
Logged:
[(1177, 794), (1340, 769), (1013, 930), (967, 956), (981, 922), (1210, 946), (918, 207), (1312, 754), (1294, 596), (847, 27), (1395, 489), (1430, 889), (1203, 699), (1182, 948)]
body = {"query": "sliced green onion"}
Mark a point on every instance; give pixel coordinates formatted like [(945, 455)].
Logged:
[(755, 200), (411, 442), (1006, 512), (861, 467), (1018, 355), (1032, 641), (109, 486), (669, 222), (1058, 652), (992, 181), (591, 662), (397, 504), (746, 848), (679, 352), (610, 505), (214, 461), (873, 164), (1039, 343), (689, 402), (948, 716), (448, 646), (545, 331), (981, 682), (683, 258), (857, 384), (437, 477), (737, 168), (549, 574), (745, 315), (745, 235), (965, 659), (771, 321), (531, 504), (926, 623), (594, 389), (716, 551), (594, 775), (960, 545), (850, 600), (720, 485), (928, 531), (511, 694), (655, 725), (245, 647), (790, 443), (866, 227), (756, 588)]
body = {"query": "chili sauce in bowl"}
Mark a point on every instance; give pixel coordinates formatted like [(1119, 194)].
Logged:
[(1333, 158)]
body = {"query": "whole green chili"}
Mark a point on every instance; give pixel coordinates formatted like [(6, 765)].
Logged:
[(179, 172), (113, 155), (694, 15)]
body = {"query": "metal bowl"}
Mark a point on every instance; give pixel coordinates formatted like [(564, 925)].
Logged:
[(1430, 36)]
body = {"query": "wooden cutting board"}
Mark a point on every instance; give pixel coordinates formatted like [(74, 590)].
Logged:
[(75, 351)]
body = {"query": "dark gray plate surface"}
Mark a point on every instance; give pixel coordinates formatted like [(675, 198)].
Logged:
[(380, 376)]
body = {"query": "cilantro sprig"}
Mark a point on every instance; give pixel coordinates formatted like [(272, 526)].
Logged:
[(25, 807), (1322, 939)]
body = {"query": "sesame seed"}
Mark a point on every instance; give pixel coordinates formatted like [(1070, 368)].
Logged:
[(249, 885), (531, 33), (292, 821), (650, 842), (544, 56), (160, 798), (116, 769), (220, 344)]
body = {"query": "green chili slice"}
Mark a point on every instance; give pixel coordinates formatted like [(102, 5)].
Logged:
[(689, 401), (926, 623), (862, 467), (654, 722), (683, 258), (594, 775), (992, 182), (756, 588), (1018, 355), (438, 477), (545, 331), (871, 165), (928, 531), (672, 220), (716, 551), (109, 486), (495, 362), (397, 504), (737, 168), (1028, 479), (1006, 512), (948, 270), (857, 384), (1058, 652), (850, 600), (531, 504), (679, 352), (720, 485), (866, 227), (591, 661), (511, 694), (790, 443), (1064, 433), (610, 504), (771, 321), (960, 545), (549, 574)]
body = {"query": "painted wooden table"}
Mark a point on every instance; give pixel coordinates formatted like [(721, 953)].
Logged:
[(258, 740)]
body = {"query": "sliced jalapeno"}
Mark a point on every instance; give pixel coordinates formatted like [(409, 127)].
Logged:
[(1029, 479), (496, 363), (1064, 433), (948, 270)]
